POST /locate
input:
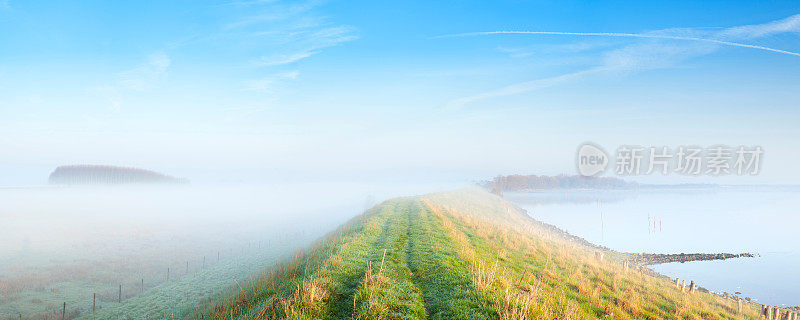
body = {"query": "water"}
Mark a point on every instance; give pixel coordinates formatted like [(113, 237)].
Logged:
[(758, 220)]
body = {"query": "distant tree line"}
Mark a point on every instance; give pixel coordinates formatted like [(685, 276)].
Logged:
[(523, 183), (99, 174)]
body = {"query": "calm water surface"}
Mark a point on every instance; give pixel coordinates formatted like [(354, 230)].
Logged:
[(760, 220)]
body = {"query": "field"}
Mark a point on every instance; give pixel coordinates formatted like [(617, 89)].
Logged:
[(136, 288), (68, 250), (461, 255)]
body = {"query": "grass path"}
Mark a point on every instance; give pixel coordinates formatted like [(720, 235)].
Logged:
[(459, 255), (441, 273)]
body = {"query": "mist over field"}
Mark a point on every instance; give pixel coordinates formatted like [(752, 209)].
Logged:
[(80, 239), (296, 159), (78, 222)]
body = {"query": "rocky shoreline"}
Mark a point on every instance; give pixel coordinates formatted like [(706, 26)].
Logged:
[(643, 259), (640, 261)]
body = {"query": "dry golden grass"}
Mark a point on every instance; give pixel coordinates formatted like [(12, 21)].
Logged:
[(465, 255)]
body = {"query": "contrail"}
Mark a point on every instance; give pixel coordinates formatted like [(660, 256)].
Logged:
[(630, 35)]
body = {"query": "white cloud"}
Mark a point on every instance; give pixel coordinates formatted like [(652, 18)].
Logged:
[(140, 78), (665, 48), (281, 59), (268, 84), (790, 24), (281, 35), (111, 94), (521, 88), (272, 12), (249, 3), (630, 35), (147, 74)]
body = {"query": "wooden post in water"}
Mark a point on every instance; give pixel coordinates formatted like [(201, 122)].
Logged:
[(120, 293), (187, 267), (64, 311), (167, 273), (142, 285)]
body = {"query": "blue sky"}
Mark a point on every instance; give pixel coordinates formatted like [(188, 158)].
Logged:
[(364, 89)]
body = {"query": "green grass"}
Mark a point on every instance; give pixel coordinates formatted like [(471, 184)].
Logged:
[(176, 298), (459, 255)]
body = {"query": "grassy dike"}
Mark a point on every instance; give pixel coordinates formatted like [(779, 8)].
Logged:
[(459, 255)]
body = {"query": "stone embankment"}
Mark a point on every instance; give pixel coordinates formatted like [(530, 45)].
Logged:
[(658, 258)]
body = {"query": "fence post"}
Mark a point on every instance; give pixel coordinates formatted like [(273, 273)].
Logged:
[(64, 311), (120, 293), (738, 305), (765, 311), (691, 287), (94, 301), (683, 285), (167, 273), (677, 284), (142, 285)]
